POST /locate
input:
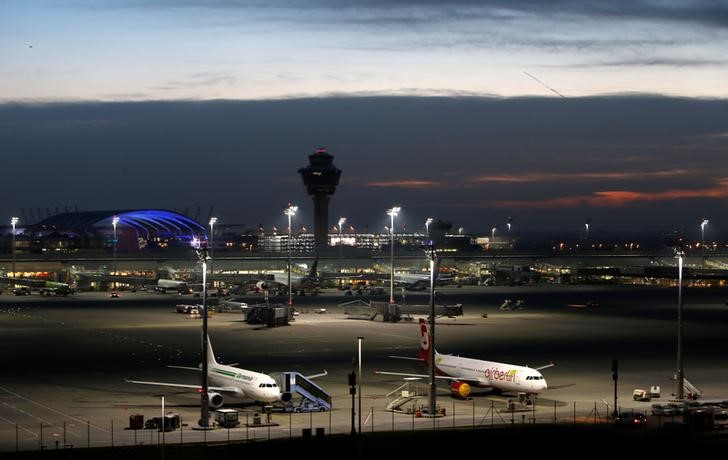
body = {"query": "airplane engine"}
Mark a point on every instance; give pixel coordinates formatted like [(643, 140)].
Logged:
[(215, 400), (285, 397), (459, 390)]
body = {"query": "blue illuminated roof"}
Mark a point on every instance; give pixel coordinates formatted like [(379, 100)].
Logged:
[(146, 222)]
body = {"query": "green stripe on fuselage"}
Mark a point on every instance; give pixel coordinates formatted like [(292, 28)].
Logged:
[(224, 372)]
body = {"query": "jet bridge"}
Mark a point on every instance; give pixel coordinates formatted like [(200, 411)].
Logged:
[(313, 397)]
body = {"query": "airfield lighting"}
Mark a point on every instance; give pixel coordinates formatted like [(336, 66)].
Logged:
[(427, 227), (14, 221), (432, 258), (586, 226), (680, 371), (702, 230), (290, 211), (202, 255), (213, 221), (492, 232), (358, 382), (115, 222), (391, 213), (341, 242)]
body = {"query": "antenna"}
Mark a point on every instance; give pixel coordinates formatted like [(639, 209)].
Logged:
[(544, 84)]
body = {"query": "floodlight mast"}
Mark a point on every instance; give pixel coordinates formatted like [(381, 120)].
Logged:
[(431, 254), (290, 211), (392, 212), (202, 255)]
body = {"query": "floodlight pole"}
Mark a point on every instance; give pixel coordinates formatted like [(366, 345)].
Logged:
[(359, 339), (680, 370), (14, 222), (392, 212), (115, 222), (290, 211), (432, 257), (213, 221), (204, 396)]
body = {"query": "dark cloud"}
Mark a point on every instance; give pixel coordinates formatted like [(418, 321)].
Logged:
[(648, 160), (713, 13)]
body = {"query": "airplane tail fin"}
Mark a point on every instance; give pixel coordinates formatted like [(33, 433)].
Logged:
[(210, 354), (313, 273), (424, 354)]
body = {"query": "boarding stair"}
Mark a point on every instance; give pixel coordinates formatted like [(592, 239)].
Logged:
[(400, 396), (311, 393)]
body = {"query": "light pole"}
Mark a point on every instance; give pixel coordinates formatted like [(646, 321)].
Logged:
[(290, 211), (432, 257), (391, 213), (427, 228), (702, 230), (358, 382), (213, 221), (510, 240), (586, 226), (202, 255), (341, 242), (492, 232), (680, 371), (115, 221), (14, 221)]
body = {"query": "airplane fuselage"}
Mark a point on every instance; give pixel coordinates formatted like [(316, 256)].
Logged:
[(253, 385), (500, 376)]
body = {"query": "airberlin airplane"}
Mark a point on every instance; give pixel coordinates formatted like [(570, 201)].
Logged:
[(466, 372)]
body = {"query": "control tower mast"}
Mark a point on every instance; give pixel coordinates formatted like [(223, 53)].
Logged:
[(321, 178)]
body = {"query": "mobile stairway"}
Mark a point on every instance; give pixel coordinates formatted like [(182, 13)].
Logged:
[(400, 396), (313, 397)]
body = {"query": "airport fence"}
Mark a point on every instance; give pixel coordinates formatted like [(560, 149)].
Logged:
[(254, 427)]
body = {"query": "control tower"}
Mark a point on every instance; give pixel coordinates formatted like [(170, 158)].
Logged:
[(321, 178)]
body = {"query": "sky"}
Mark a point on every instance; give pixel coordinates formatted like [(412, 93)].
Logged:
[(551, 112)]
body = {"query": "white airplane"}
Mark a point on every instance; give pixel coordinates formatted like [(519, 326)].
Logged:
[(466, 372), (234, 381)]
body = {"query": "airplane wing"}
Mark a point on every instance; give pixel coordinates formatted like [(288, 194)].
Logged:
[(404, 374), (183, 385), (324, 373), (544, 367), (187, 368), (409, 358)]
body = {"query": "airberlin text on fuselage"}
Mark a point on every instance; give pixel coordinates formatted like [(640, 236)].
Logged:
[(495, 374)]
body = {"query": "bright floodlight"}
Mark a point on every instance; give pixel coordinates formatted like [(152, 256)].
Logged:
[(393, 211), (213, 221), (290, 210), (115, 220), (341, 221), (14, 221)]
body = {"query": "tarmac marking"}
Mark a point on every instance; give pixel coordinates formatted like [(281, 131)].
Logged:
[(35, 435), (41, 405)]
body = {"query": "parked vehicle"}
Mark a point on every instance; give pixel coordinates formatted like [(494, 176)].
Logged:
[(641, 395), (633, 419)]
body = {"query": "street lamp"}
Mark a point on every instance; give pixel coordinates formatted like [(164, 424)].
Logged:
[(115, 221), (391, 213), (341, 222), (14, 221), (427, 227), (290, 211), (213, 221), (680, 371)]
